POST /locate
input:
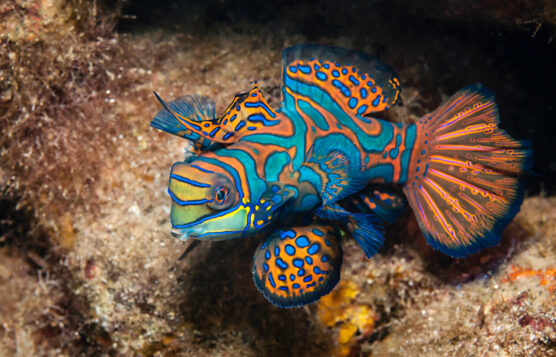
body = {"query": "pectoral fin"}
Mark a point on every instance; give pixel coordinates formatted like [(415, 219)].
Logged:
[(297, 266)]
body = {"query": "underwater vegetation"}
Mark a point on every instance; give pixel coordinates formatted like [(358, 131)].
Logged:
[(87, 265)]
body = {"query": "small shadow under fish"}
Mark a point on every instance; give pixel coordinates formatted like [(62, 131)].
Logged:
[(219, 298), (450, 270)]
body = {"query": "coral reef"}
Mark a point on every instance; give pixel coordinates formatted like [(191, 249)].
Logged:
[(87, 265)]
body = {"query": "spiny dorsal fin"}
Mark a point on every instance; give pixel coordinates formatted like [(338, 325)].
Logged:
[(198, 108), (247, 113)]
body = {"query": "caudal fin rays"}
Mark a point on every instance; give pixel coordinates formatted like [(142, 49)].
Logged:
[(464, 181)]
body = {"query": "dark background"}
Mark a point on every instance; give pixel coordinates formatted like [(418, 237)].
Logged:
[(507, 46)]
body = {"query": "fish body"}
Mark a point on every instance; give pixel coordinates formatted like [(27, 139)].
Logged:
[(321, 164)]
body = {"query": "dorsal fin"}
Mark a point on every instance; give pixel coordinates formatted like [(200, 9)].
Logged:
[(247, 113), (361, 84), (196, 107)]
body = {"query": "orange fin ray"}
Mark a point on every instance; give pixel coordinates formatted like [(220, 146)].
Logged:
[(464, 181)]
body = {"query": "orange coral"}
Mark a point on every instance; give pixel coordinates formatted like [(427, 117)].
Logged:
[(339, 309), (547, 276)]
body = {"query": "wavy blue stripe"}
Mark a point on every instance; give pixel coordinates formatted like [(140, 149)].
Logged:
[(228, 169), (410, 135), (187, 203), (317, 117), (191, 182), (201, 169), (194, 223), (261, 118), (262, 105), (395, 151), (216, 234), (256, 184), (368, 142), (297, 139), (275, 164)]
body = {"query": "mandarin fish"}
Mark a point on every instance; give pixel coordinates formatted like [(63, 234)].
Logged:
[(321, 166)]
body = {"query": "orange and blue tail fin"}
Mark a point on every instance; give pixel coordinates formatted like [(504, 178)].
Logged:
[(464, 180)]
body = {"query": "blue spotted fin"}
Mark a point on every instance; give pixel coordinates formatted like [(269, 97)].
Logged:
[(385, 201), (464, 178), (195, 107), (357, 82), (297, 266)]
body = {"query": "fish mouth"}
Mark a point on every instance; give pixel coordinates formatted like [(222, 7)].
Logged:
[(183, 234)]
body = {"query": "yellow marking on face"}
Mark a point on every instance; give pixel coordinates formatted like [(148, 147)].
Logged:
[(235, 220)]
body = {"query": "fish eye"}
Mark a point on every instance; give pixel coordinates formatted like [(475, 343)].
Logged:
[(221, 194), (221, 197)]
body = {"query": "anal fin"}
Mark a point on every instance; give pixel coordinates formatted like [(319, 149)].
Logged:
[(385, 201)]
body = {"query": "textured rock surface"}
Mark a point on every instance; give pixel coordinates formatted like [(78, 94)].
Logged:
[(86, 261)]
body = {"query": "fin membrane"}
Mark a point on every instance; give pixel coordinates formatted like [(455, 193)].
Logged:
[(359, 83), (332, 212), (196, 107), (367, 231), (366, 228), (193, 117), (334, 170), (247, 113), (297, 266), (464, 177)]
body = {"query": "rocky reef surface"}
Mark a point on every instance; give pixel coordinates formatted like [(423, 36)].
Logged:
[(87, 265)]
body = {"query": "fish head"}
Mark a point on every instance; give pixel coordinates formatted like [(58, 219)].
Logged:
[(206, 203)]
